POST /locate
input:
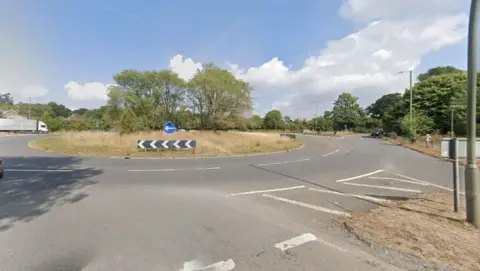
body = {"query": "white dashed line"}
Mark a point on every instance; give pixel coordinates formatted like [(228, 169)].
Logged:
[(296, 241), (398, 180), (220, 266), (172, 169), (267, 191), (38, 170), (285, 162), (306, 205), (385, 187), (360, 176), (330, 153), (351, 195)]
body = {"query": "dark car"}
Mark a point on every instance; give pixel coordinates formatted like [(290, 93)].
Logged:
[(377, 133)]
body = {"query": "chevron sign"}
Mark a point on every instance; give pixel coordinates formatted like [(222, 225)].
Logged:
[(166, 144)]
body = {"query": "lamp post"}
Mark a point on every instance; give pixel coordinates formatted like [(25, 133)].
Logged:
[(29, 102), (411, 91), (472, 186)]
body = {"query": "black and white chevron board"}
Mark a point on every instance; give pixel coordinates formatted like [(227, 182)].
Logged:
[(166, 144)]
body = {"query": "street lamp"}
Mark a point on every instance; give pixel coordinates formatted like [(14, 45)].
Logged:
[(411, 91), (472, 185)]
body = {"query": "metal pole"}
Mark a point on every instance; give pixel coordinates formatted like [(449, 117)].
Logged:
[(451, 124), (316, 117), (471, 182), (455, 177), (411, 95), (29, 102)]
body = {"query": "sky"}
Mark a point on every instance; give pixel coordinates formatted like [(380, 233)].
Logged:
[(298, 55)]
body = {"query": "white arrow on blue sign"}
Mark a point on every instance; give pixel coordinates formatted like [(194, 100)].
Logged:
[(169, 128)]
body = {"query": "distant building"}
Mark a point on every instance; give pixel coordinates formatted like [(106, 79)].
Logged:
[(12, 114)]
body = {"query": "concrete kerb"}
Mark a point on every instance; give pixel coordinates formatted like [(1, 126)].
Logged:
[(204, 157)]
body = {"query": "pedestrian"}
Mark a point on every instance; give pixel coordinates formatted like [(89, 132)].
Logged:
[(428, 140)]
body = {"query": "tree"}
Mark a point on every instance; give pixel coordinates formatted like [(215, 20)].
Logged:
[(273, 120), (128, 122), (346, 112), (58, 110), (438, 71), (217, 95), (420, 124), (6, 99), (384, 105)]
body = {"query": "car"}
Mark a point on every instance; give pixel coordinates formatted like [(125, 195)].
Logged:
[(377, 133), (2, 169)]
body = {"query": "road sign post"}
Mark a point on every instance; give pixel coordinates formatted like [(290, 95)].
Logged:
[(456, 148), (456, 186)]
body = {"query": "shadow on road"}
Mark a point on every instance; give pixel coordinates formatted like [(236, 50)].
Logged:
[(28, 190)]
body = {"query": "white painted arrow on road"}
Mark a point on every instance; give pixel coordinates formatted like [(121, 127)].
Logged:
[(176, 144), (153, 144), (164, 144), (140, 144)]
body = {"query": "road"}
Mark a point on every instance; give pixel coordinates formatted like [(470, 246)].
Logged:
[(264, 212)]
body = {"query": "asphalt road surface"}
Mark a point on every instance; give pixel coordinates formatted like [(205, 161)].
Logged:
[(265, 212)]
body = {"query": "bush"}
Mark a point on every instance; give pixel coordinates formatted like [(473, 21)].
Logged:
[(128, 122)]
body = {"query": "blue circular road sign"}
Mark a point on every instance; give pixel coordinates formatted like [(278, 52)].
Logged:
[(169, 128)]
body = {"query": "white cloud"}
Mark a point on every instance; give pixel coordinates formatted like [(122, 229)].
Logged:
[(92, 91), (396, 37), (185, 69), (22, 94)]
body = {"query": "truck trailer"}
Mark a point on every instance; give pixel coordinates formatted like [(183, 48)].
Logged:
[(23, 126)]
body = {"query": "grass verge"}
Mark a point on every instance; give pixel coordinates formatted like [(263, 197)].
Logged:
[(208, 144), (425, 227)]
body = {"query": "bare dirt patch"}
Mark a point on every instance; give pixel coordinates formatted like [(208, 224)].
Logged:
[(208, 144), (425, 227)]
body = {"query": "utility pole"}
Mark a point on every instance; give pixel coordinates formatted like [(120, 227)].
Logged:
[(316, 116), (29, 102), (472, 185), (411, 95)]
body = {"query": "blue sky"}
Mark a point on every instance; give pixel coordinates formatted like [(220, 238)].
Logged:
[(89, 41)]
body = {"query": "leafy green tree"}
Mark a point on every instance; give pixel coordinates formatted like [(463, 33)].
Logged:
[(217, 95), (128, 122), (346, 112), (273, 120), (437, 71), (6, 98), (420, 124)]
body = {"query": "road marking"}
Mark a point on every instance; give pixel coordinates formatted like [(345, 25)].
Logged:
[(330, 153), (385, 187), (285, 162), (398, 180), (427, 183), (306, 205), (172, 169), (360, 176), (361, 137), (351, 195), (197, 266), (296, 241), (38, 170), (267, 191)]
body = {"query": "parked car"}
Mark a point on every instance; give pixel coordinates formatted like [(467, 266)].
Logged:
[(2, 169), (377, 133)]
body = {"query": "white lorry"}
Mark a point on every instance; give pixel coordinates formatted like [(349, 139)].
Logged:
[(23, 126)]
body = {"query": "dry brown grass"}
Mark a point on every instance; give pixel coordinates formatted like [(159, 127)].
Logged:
[(425, 227), (208, 144)]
